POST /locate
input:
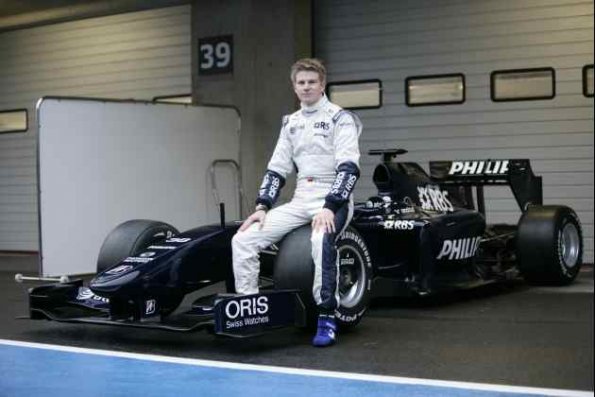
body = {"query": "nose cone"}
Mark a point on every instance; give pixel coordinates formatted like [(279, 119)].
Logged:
[(114, 280)]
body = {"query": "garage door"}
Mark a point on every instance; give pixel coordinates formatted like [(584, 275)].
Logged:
[(394, 40)]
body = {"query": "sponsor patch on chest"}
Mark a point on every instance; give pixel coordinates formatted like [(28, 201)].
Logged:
[(296, 128), (322, 129), (322, 125)]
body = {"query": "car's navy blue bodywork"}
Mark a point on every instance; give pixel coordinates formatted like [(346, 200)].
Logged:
[(424, 233)]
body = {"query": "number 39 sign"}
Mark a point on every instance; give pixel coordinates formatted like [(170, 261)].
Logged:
[(215, 55)]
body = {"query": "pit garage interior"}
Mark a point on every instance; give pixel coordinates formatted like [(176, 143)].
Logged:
[(230, 59)]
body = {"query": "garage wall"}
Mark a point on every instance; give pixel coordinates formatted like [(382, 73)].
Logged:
[(134, 55), (268, 37), (392, 40)]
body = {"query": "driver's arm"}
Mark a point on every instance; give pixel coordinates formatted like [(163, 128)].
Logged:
[(280, 165), (347, 131)]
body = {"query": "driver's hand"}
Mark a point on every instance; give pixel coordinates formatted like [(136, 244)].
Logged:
[(258, 216), (324, 221)]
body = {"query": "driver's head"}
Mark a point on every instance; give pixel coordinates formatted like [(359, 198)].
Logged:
[(309, 65), (308, 76)]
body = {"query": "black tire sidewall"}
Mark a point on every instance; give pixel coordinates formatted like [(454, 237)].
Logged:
[(539, 245), (351, 240), (565, 273), (130, 239), (157, 232)]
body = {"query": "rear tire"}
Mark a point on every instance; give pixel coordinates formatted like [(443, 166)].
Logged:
[(549, 245), (294, 269), (131, 238)]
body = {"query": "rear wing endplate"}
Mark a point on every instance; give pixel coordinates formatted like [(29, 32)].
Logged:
[(517, 173)]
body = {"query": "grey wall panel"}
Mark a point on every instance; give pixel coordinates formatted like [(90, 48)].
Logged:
[(440, 15), (135, 55), (489, 130), (432, 34), (393, 40)]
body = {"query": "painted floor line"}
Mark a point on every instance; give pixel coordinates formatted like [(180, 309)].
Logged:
[(306, 372)]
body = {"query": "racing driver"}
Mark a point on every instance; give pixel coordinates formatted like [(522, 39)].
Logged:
[(321, 141)]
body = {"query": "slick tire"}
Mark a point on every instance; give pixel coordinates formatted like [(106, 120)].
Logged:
[(355, 278), (549, 245), (294, 269), (129, 239)]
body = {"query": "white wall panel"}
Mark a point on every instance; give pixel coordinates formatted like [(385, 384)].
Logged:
[(392, 40), (107, 173), (135, 55)]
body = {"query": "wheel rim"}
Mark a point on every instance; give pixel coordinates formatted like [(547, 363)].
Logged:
[(351, 276), (570, 245)]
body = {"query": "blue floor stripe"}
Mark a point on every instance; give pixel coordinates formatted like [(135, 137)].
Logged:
[(37, 372)]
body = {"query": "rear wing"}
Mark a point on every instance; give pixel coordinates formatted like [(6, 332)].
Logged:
[(525, 186)]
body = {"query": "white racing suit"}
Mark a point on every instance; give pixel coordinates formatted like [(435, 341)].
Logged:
[(321, 141)]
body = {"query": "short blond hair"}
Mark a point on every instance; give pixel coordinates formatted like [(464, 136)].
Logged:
[(309, 65)]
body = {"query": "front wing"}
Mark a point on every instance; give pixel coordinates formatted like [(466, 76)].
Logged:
[(223, 314)]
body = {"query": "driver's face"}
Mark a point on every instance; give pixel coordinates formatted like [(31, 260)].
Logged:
[(308, 87)]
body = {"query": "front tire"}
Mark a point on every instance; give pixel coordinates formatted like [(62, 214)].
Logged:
[(131, 238), (549, 245)]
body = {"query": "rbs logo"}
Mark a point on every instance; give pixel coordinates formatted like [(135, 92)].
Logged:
[(434, 199), (247, 307), (323, 125)]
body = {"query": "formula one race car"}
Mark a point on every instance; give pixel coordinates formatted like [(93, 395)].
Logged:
[(422, 234)]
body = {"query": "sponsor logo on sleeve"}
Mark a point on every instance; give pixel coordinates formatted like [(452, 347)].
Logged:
[(338, 182), (270, 186), (343, 187), (349, 186), (263, 187), (274, 188)]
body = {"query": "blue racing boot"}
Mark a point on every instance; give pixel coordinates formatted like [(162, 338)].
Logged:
[(326, 335)]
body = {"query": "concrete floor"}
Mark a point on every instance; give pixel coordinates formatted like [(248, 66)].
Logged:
[(507, 334)]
